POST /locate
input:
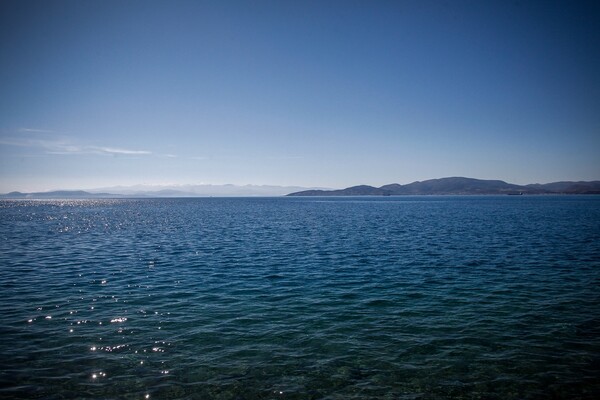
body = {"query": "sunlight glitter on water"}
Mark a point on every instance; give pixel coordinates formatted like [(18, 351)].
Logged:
[(254, 298)]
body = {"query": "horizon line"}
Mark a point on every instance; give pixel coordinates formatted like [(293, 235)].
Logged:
[(163, 186)]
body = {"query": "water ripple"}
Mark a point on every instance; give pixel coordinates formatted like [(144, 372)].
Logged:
[(403, 298)]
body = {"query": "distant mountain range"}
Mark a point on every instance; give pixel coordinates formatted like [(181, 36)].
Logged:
[(443, 186), (459, 186), (60, 194), (138, 191), (203, 190)]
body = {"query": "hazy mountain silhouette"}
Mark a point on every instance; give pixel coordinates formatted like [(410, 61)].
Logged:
[(59, 194), (138, 191), (442, 186)]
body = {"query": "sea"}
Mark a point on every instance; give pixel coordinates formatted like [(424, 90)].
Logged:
[(433, 297)]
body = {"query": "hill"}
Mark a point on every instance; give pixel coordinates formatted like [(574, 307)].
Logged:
[(459, 186)]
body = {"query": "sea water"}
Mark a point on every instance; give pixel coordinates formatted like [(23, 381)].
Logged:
[(475, 297)]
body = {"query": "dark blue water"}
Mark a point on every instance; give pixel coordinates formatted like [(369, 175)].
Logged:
[(301, 298)]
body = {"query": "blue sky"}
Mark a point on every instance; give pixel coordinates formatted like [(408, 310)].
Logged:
[(324, 93)]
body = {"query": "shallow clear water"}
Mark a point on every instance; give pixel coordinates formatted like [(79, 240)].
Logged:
[(300, 298)]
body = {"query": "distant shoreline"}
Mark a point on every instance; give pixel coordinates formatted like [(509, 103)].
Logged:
[(460, 186), (456, 186)]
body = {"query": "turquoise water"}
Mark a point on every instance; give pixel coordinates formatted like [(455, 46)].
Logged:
[(301, 298)]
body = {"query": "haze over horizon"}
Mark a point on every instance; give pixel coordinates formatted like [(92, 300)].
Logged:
[(314, 94)]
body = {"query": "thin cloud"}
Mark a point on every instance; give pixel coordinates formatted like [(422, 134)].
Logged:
[(285, 157), (114, 150), (65, 147), (14, 142), (32, 130)]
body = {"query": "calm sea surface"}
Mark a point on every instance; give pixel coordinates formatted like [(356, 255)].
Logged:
[(301, 298)]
